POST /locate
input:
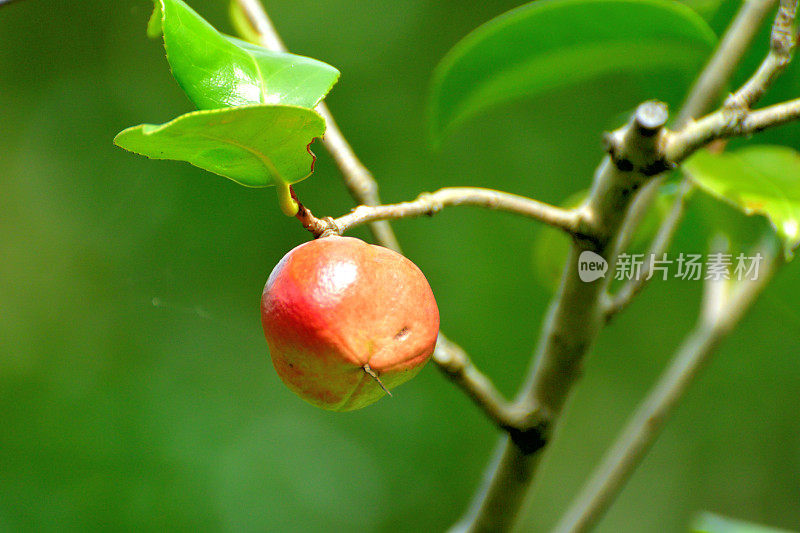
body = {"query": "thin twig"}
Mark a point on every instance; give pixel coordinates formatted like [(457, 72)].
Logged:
[(575, 316), (782, 43), (716, 289), (720, 311), (450, 358), (262, 25), (722, 125), (318, 227), (457, 366), (576, 312), (357, 178), (658, 247), (706, 90), (732, 47), (768, 117), (432, 203), (736, 118), (645, 426), (573, 321)]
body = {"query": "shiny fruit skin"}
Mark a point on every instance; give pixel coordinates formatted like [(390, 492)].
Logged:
[(335, 304)]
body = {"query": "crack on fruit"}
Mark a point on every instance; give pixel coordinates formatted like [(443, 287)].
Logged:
[(402, 334)]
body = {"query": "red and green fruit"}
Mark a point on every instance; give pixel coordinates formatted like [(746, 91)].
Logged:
[(344, 318)]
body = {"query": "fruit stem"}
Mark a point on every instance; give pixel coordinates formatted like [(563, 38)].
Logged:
[(289, 205), (374, 376), (319, 227)]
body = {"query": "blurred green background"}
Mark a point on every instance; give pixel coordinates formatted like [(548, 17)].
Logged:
[(136, 391)]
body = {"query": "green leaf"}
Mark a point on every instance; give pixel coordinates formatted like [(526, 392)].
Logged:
[(713, 523), (216, 70), (763, 180), (549, 44), (551, 246), (255, 146)]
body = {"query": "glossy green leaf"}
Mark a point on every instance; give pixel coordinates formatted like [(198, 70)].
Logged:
[(713, 523), (551, 246), (548, 44), (216, 70), (255, 145), (763, 180)]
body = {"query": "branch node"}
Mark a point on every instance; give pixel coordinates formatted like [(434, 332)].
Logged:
[(433, 203), (657, 167), (609, 142), (635, 146), (783, 39), (735, 101), (529, 440), (622, 164), (331, 229), (650, 117), (318, 227)]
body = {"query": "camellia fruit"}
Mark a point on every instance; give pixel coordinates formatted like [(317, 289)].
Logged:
[(346, 321)]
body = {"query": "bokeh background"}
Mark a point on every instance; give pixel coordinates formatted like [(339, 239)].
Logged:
[(136, 391)]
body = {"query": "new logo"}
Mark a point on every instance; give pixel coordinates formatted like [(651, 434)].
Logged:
[(591, 266)]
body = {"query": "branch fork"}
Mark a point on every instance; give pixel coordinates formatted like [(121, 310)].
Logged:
[(637, 147)]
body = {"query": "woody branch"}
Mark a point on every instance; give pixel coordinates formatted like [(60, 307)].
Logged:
[(734, 119), (722, 308), (577, 309), (638, 152)]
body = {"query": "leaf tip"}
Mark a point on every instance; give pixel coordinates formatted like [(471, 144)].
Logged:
[(334, 80), (119, 138)]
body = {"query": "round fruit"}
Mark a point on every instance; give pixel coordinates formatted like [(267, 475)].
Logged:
[(345, 319)]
